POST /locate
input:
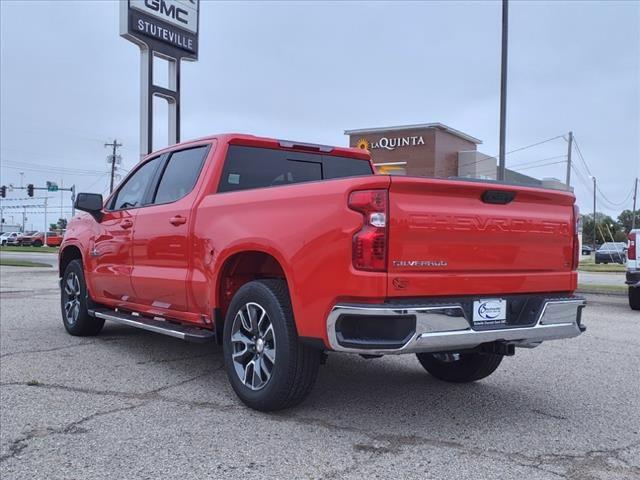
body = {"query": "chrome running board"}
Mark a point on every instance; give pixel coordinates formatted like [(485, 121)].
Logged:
[(176, 330)]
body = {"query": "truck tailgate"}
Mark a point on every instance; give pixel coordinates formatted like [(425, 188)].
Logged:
[(445, 239)]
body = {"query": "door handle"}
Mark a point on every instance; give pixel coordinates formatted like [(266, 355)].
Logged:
[(126, 223), (177, 220)]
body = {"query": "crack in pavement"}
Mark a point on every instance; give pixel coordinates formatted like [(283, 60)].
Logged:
[(177, 359), (19, 444), (576, 466), (73, 428), (44, 350)]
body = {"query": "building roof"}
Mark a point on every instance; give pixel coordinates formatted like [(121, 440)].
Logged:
[(399, 128)]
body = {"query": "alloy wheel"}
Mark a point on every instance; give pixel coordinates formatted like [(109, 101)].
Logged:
[(253, 346), (72, 299)]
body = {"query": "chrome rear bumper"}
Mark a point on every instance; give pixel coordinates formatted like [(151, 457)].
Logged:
[(445, 328)]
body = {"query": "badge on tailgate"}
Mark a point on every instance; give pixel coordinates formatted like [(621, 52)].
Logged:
[(489, 311)]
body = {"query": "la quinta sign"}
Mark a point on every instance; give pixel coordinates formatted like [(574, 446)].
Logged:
[(390, 143)]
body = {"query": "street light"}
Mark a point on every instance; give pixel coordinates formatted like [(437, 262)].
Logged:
[(594, 212)]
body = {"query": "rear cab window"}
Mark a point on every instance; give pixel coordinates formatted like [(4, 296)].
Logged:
[(253, 167)]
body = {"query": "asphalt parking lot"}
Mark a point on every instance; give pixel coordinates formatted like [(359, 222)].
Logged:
[(133, 404)]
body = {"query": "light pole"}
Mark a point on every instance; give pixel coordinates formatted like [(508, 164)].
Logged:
[(503, 89), (594, 213)]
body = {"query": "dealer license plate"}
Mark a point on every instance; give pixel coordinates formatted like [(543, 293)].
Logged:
[(489, 311)]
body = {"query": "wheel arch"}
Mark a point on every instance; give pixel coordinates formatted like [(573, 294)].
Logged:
[(67, 255), (236, 270)]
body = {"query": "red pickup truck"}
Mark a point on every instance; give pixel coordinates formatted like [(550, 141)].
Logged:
[(281, 251)]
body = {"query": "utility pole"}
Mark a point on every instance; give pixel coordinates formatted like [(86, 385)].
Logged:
[(503, 88), (115, 145), (569, 149), (46, 227), (73, 200), (633, 212), (594, 213)]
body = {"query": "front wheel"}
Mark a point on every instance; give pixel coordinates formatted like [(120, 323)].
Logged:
[(460, 367), (634, 298), (268, 367), (74, 302), (37, 243)]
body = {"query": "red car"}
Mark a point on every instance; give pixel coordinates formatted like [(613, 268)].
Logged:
[(32, 239), (38, 239), (53, 239), (281, 251)]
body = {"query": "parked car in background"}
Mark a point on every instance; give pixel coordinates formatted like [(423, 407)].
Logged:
[(35, 239), (53, 239), (633, 269), (586, 250), (6, 236), (18, 239), (612, 252)]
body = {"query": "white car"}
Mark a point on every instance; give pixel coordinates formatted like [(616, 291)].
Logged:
[(633, 269), (6, 237)]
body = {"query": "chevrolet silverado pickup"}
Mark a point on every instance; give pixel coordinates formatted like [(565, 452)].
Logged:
[(282, 251)]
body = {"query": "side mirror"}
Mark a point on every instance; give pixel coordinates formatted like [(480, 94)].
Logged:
[(90, 203)]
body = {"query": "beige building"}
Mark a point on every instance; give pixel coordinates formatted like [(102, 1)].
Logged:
[(434, 150)]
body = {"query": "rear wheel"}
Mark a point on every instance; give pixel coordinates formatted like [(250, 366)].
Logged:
[(459, 367), (634, 298), (74, 302), (268, 368), (37, 243)]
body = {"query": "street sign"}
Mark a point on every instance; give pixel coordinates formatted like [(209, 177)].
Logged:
[(52, 186)]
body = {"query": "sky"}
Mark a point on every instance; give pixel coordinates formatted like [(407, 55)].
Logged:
[(308, 71)]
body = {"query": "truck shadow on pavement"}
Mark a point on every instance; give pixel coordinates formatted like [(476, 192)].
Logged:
[(379, 393)]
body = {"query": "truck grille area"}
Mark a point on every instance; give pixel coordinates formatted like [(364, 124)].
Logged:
[(375, 331)]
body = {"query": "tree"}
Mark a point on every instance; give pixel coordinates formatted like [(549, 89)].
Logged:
[(62, 223), (626, 218), (607, 229)]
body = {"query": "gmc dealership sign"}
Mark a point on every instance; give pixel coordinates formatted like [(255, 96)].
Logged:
[(166, 26)]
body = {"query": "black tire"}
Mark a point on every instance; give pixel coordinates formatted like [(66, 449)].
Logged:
[(37, 243), (468, 367), (634, 298), (77, 321), (294, 371)]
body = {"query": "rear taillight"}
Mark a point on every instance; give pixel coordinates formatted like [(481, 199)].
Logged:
[(369, 250), (576, 237), (631, 252)]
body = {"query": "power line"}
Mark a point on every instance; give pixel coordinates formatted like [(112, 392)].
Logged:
[(584, 162)]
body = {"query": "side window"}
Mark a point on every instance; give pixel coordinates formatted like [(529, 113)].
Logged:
[(250, 167), (131, 194), (180, 174)]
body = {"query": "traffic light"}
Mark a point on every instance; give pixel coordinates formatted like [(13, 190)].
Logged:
[(3, 191), (30, 189)]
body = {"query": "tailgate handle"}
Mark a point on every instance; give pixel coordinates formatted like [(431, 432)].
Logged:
[(498, 197)]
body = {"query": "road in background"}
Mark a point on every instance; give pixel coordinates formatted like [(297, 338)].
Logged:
[(133, 404)]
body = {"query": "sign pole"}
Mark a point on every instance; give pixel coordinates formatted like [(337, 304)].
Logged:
[(168, 30)]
